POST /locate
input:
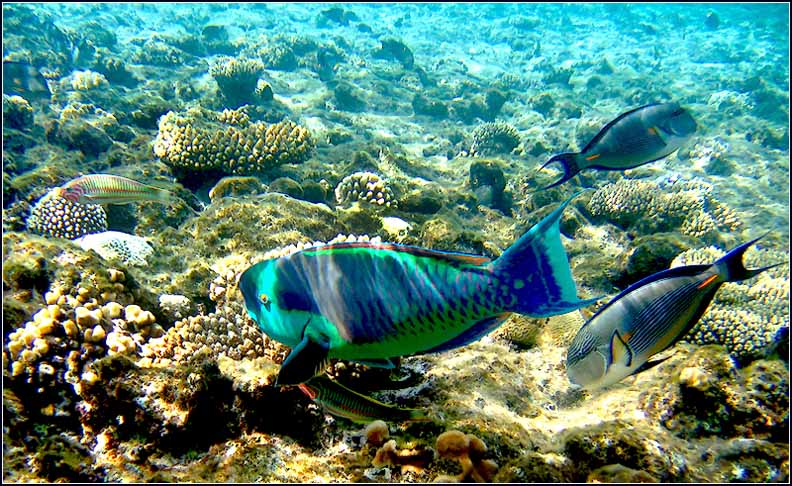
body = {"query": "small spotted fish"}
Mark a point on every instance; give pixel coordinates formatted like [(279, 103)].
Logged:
[(372, 302), (647, 318), (340, 401), (111, 189), (634, 138)]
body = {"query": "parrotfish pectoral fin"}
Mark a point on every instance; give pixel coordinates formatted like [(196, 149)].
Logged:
[(620, 352), (569, 165), (538, 261), (474, 333), (306, 360)]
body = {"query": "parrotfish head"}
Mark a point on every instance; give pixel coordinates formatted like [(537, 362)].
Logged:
[(259, 288)]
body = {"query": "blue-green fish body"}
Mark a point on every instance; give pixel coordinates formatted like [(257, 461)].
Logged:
[(647, 318), (634, 138), (370, 302)]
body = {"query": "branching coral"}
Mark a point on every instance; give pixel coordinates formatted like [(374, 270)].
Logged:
[(493, 138), (648, 207), (745, 317), (194, 143), (365, 187), (237, 78), (55, 216)]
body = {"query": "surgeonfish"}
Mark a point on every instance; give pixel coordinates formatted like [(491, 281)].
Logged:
[(111, 189), (637, 137), (22, 79), (370, 302), (339, 400), (647, 318)]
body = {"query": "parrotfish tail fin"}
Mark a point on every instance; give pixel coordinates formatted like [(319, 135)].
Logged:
[(536, 268), (569, 165), (733, 261)]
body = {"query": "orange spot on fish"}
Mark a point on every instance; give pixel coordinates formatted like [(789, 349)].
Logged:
[(626, 337), (652, 131), (592, 157), (708, 281)]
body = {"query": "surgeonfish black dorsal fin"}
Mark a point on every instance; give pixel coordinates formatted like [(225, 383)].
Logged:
[(733, 262), (569, 165)]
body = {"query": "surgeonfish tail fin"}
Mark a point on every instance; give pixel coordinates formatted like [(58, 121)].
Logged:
[(733, 262), (536, 268), (569, 165)]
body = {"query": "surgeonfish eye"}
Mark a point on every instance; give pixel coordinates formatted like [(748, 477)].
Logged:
[(265, 301)]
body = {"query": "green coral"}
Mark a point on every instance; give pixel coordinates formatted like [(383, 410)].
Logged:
[(58, 217), (745, 317), (197, 142)]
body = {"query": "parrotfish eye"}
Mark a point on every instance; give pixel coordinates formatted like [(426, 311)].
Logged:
[(265, 301)]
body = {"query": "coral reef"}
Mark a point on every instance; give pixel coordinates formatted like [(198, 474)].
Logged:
[(469, 450), (86, 80), (365, 187), (188, 143), (647, 207), (745, 317), (237, 79), (17, 113), (707, 395), (129, 249), (494, 138), (55, 216)]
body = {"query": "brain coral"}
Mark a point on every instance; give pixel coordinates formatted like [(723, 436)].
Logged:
[(130, 249), (365, 187), (494, 138), (237, 78), (649, 207), (197, 142), (55, 216), (745, 317)]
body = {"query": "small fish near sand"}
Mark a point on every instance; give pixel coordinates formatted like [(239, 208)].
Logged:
[(22, 79), (340, 401), (647, 318), (637, 137), (371, 302), (113, 189)]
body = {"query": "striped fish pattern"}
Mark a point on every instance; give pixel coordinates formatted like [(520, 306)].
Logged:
[(111, 189), (647, 318), (370, 302), (340, 401)]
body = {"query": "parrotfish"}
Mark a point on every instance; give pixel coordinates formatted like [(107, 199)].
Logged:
[(647, 318), (111, 189), (637, 137), (341, 401), (371, 302)]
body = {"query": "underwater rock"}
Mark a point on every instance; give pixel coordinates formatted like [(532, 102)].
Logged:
[(707, 395), (348, 98), (337, 15), (429, 107), (651, 254), (235, 186), (712, 21), (616, 473), (315, 192), (422, 200), (618, 442), (84, 137), (488, 183), (17, 113), (288, 186), (535, 467), (543, 103), (395, 50)]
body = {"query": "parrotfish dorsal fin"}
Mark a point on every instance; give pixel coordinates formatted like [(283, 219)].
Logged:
[(620, 352), (450, 257)]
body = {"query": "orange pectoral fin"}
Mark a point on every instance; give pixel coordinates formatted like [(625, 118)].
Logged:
[(652, 131), (708, 281), (592, 157)]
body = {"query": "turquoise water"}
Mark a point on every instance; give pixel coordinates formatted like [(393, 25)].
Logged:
[(259, 119)]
